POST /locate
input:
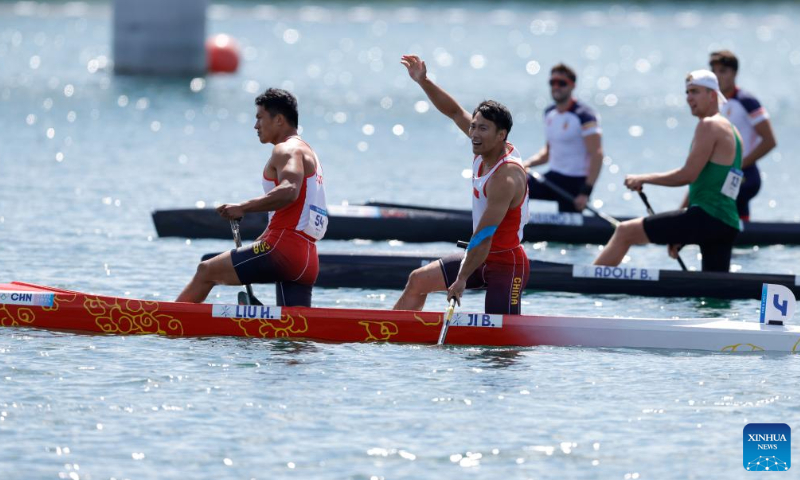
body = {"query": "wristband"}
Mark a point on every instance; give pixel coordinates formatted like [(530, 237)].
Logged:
[(586, 189)]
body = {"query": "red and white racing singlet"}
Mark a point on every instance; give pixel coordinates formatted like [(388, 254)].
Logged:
[(308, 214), (509, 232)]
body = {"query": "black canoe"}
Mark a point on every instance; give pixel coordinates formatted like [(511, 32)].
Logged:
[(408, 223), (390, 271)]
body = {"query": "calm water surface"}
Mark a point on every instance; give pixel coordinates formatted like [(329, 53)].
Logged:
[(85, 157)]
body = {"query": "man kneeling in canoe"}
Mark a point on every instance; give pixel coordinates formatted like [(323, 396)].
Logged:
[(713, 173), (294, 196), (494, 260)]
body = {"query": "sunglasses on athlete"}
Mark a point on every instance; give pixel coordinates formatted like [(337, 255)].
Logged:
[(560, 83)]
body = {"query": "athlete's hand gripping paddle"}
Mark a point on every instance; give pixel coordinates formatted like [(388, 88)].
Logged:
[(478, 238), (244, 298), (451, 308), (651, 212)]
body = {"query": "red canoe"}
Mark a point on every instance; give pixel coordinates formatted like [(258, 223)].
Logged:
[(28, 305)]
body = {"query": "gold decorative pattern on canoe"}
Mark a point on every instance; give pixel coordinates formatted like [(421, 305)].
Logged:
[(379, 331), (285, 327), (131, 317), (430, 324), (796, 346), (743, 347), (24, 316)]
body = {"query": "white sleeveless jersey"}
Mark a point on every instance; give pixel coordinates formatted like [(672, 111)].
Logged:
[(509, 232), (309, 212)]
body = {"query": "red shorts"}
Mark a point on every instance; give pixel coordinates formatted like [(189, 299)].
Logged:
[(286, 258), (504, 275)]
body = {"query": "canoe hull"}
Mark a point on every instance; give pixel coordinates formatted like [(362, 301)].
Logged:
[(391, 270), (408, 223), (54, 309), (376, 270)]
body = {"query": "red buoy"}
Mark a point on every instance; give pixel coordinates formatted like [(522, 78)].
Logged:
[(223, 54)]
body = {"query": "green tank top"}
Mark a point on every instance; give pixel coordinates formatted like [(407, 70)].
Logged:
[(706, 191)]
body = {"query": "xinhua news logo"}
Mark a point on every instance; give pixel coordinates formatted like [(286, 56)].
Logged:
[(767, 447)]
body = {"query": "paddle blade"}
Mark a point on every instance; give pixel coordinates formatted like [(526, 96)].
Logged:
[(244, 299), (448, 315)]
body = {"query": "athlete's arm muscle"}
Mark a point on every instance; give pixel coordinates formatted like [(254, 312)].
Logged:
[(501, 192), (288, 163), (705, 140)]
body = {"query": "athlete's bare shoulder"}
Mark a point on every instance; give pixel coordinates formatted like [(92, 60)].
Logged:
[(292, 146), (514, 169), (512, 175), (720, 127), (294, 149), (280, 153), (711, 129), (715, 135)]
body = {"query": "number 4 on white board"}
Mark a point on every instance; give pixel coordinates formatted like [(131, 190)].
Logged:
[(777, 303)]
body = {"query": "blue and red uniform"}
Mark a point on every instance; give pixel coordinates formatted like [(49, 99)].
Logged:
[(568, 158), (745, 112)]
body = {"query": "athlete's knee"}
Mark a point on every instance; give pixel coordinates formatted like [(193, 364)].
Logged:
[(628, 231), (204, 271), (416, 282), (624, 230), (413, 280)]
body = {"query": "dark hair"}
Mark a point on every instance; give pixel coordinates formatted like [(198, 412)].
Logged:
[(496, 113), (278, 101), (565, 70), (726, 58)]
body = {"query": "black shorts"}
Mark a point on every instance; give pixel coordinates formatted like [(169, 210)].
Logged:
[(750, 187), (694, 227), (540, 191), (504, 282), (284, 258)]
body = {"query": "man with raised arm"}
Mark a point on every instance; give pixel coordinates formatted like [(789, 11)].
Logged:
[(573, 150), (494, 259), (294, 196), (713, 173), (752, 121)]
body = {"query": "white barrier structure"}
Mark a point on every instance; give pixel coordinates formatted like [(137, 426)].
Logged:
[(160, 37)]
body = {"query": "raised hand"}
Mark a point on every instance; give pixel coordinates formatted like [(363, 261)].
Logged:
[(416, 67)]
